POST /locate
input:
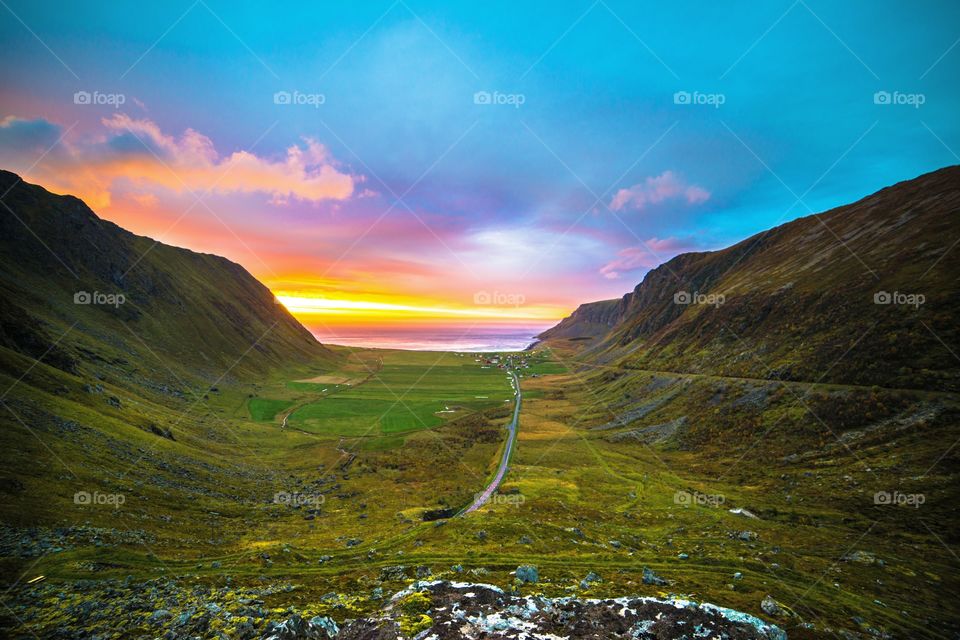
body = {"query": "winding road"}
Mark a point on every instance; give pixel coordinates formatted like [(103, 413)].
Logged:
[(502, 470)]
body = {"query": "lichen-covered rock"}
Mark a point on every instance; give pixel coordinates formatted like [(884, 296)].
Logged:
[(649, 577), (527, 573), (395, 572), (590, 579), (773, 608), (442, 610), (296, 628)]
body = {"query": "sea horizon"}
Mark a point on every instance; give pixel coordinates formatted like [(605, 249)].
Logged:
[(469, 340)]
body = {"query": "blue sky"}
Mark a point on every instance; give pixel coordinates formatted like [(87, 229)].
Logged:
[(595, 176)]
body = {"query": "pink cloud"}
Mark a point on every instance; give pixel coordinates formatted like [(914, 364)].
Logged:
[(139, 152), (647, 255), (657, 189)]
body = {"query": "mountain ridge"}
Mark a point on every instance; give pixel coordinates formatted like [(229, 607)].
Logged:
[(795, 287), (205, 315)]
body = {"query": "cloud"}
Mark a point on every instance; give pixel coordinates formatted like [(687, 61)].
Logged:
[(657, 189), (31, 136), (139, 152), (647, 255)]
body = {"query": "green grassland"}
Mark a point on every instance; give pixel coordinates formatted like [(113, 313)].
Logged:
[(200, 508), (385, 393), (265, 409)]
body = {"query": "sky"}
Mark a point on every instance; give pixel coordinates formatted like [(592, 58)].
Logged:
[(414, 162)]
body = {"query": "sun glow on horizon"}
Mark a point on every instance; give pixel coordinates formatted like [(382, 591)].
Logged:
[(339, 309)]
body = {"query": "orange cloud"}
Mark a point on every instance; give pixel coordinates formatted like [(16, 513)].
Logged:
[(138, 151)]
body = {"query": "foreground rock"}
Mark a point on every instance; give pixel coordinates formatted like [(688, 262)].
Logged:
[(295, 628), (166, 609), (441, 610)]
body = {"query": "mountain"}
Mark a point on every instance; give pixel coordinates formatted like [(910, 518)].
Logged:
[(589, 320), (862, 294), (148, 459), (82, 293)]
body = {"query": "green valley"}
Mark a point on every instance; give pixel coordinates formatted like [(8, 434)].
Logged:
[(424, 320), (153, 490)]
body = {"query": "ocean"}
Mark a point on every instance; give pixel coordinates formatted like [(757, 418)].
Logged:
[(480, 339)]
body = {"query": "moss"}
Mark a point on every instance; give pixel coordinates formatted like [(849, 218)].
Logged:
[(412, 625), (414, 603)]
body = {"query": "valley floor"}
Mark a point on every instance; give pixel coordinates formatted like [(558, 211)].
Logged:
[(828, 511)]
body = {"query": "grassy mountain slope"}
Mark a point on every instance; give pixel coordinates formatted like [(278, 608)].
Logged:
[(184, 315), (99, 391), (799, 376), (799, 302), (589, 320)]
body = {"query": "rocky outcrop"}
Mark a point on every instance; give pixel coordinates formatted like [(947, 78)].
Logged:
[(649, 435), (590, 320), (457, 610)]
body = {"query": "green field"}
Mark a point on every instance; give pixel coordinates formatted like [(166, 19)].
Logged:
[(264, 409), (546, 367), (404, 391)]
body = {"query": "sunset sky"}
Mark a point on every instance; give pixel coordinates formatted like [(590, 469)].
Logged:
[(495, 162)]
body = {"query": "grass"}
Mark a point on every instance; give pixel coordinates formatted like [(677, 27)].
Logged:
[(585, 502), (384, 443), (265, 409), (547, 367), (408, 392), (311, 387)]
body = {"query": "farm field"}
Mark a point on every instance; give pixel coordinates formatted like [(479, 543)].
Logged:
[(385, 393)]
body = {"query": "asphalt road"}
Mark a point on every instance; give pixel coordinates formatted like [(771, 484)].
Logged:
[(502, 470)]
